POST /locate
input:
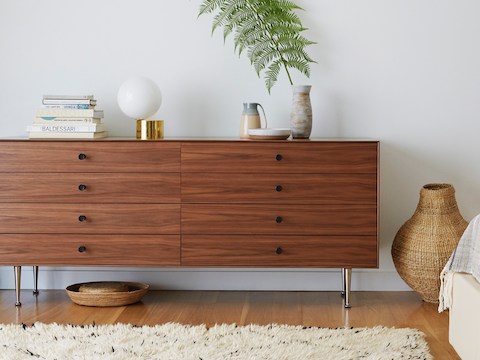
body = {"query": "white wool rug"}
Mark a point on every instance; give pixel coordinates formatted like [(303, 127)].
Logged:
[(174, 341)]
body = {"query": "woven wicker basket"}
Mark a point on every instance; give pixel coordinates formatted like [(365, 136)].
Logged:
[(425, 242)]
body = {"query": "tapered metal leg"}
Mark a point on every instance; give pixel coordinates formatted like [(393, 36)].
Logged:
[(35, 280), (347, 278), (343, 283), (18, 274)]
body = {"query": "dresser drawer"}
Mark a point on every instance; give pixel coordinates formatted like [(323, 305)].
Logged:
[(281, 157), (279, 219), (68, 250), (280, 188), (90, 187), (279, 251), (89, 156), (98, 218)]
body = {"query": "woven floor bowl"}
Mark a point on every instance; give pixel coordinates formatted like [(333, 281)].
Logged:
[(136, 291)]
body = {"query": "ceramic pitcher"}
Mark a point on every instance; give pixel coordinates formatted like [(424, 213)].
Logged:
[(250, 118)]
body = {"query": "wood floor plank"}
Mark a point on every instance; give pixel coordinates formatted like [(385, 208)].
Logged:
[(323, 309)]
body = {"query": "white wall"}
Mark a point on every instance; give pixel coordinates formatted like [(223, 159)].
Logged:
[(405, 72)]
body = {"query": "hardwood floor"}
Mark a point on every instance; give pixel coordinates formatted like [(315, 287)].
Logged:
[(323, 309)]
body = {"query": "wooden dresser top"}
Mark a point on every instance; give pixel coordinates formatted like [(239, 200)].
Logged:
[(200, 139)]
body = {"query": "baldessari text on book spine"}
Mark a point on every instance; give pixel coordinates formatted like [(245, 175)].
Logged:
[(65, 128)]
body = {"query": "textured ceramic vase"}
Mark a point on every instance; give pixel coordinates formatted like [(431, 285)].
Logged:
[(425, 242), (301, 115)]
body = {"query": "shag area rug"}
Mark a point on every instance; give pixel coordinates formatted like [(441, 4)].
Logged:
[(174, 342)]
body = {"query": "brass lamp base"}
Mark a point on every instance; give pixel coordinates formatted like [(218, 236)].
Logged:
[(150, 129)]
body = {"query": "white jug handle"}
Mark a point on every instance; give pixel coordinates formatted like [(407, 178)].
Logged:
[(264, 116)]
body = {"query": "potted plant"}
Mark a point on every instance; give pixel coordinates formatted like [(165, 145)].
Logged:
[(271, 33)]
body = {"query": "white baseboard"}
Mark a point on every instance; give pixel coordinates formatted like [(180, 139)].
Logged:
[(211, 279)]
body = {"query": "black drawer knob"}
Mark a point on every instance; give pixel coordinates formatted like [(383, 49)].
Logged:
[(279, 250), (278, 157), (278, 219), (82, 248), (82, 218), (82, 156), (278, 188), (82, 187)]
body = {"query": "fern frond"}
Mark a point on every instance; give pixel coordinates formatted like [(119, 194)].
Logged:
[(237, 21), (262, 60), (300, 65), (259, 48), (269, 29), (290, 5), (248, 35), (209, 6), (276, 18), (261, 55), (271, 75), (226, 9)]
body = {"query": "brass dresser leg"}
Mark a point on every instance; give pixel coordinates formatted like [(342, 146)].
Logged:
[(18, 274), (35, 281), (346, 283)]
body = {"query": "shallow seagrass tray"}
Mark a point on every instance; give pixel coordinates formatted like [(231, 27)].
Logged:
[(136, 291)]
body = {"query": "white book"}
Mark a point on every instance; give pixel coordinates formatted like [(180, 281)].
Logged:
[(68, 106), (60, 135), (65, 128), (66, 120), (69, 102), (44, 112), (69, 97)]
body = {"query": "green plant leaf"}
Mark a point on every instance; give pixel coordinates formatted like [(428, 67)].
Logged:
[(271, 75), (209, 6), (222, 18), (269, 30)]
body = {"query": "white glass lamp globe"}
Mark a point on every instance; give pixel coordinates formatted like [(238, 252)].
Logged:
[(139, 97)]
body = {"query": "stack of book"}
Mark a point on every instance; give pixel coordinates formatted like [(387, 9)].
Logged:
[(67, 116)]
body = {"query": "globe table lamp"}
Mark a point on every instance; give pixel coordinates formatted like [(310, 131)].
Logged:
[(140, 98)]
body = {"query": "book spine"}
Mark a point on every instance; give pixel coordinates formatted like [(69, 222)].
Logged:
[(69, 113), (68, 106), (65, 120), (69, 97), (64, 128), (69, 102)]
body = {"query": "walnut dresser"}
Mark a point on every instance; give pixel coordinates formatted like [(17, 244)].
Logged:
[(192, 203)]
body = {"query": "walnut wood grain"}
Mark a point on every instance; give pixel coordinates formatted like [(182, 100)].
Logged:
[(101, 156), (310, 157), (99, 187), (279, 251), (100, 218), (295, 219), (279, 188), (61, 249), (219, 195)]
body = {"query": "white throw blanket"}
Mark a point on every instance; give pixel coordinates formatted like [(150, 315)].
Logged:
[(465, 259)]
